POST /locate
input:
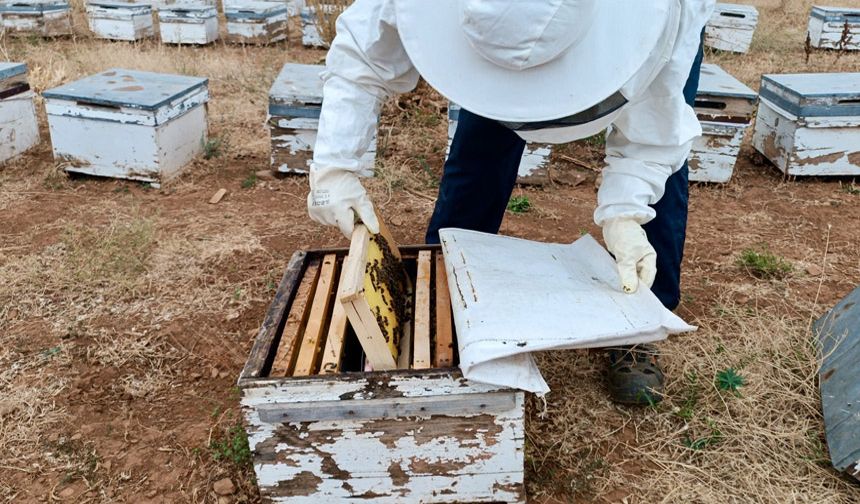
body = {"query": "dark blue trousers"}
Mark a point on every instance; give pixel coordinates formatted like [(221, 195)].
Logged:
[(481, 171)]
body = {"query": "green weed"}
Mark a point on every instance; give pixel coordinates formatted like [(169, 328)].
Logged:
[(519, 204), (233, 447), (851, 188), (213, 147), (764, 264), (729, 379), (250, 181), (700, 443)]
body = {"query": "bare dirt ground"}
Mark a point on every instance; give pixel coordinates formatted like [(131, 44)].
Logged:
[(126, 312)]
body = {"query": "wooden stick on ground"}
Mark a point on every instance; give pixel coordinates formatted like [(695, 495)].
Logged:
[(444, 355), (296, 320), (332, 355), (421, 342), (312, 342)]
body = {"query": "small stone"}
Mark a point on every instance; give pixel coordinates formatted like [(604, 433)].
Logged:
[(151, 494), (67, 492), (223, 500), (265, 175), (224, 486), (223, 374), (232, 316), (814, 270), (213, 373)]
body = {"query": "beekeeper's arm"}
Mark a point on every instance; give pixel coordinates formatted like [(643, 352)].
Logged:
[(365, 65), (648, 143)]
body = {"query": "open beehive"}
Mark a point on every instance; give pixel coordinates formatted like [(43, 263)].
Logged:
[(323, 429)]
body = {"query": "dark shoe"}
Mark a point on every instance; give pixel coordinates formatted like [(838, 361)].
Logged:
[(635, 376)]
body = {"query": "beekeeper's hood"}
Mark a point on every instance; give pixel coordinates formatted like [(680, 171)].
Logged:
[(531, 61)]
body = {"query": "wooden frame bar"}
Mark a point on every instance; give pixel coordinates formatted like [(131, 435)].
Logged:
[(296, 320), (443, 356)]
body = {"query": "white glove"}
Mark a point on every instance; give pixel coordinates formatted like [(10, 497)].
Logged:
[(337, 198), (635, 257)]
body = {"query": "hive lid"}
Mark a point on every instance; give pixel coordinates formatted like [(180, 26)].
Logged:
[(129, 88), (297, 85), (134, 7), (814, 94), (714, 81), (186, 10), (737, 11), (9, 69), (255, 10), (836, 14), (33, 5)]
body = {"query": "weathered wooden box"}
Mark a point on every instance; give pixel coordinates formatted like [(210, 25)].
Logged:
[(256, 22), (295, 100), (19, 128), (46, 18), (731, 27), (534, 164), (128, 124), (809, 124), (117, 20), (345, 435), (834, 28), (157, 5), (188, 24), (725, 107)]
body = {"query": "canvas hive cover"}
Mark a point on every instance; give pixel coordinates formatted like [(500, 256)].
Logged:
[(511, 297)]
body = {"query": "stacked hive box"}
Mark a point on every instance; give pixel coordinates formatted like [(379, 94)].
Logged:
[(731, 27), (535, 161), (809, 124), (314, 35), (188, 24), (128, 124), (295, 100), (834, 28), (256, 22), (46, 18), (322, 430), (119, 20), (19, 129), (725, 107)]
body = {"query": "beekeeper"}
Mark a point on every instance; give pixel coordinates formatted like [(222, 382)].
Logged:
[(548, 71)]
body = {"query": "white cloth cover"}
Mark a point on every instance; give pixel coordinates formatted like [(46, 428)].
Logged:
[(648, 141), (512, 297)]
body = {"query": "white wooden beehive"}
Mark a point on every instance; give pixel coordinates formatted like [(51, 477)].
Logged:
[(340, 435), (188, 24), (809, 124), (46, 18), (256, 22), (834, 28), (311, 36), (295, 100), (128, 124), (19, 128), (533, 165), (117, 20), (725, 107), (731, 27), (294, 7)]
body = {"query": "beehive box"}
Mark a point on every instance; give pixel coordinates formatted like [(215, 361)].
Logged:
[(128, 124), (725, 107), (809, 124), (46, 18), (117, 20), (534, 165), (339, 434), (256, 22), (19, 129), (157, 5), (317, 32), (295, 101), (188, 24), (834, 28), (731, 27)]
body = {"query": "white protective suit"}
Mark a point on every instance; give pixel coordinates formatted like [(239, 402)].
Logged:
[(649, 138)]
